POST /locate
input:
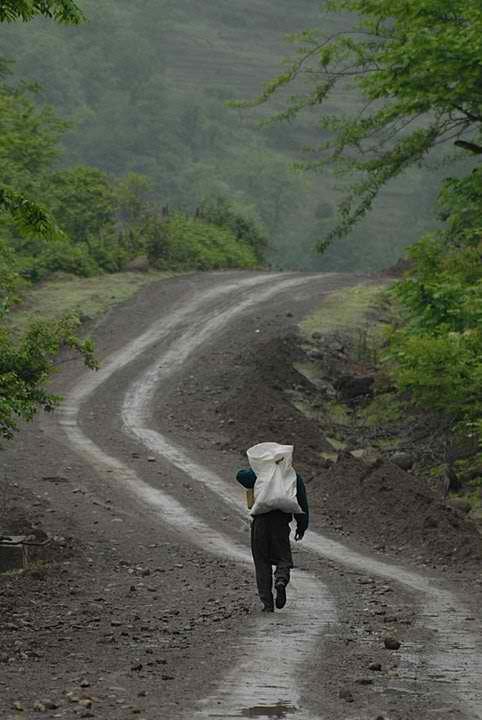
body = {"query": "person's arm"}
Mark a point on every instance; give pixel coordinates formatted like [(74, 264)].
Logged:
[(302, 520), (246, 478)]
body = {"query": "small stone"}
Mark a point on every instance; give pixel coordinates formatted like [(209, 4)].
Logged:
[(84, 684), (376, 667), (39, 706), (364, 681), (151, 458), (85, 702), (403, 460), (49, 704), (18, 706), (116, 623), (345, 695), (137, 667), (391, 643)]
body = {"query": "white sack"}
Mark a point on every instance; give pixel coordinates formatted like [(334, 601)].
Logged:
[(275, 487)]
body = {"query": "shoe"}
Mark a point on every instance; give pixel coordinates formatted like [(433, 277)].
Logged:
[(280, 601), (268, 608)]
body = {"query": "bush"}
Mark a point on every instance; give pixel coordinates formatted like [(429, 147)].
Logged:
[(442, 372), (187, 243), (244, 228), (58, 256), (437, 354), (109, 250)]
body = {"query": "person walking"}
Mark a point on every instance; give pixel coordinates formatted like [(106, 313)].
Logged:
[(276, 493)]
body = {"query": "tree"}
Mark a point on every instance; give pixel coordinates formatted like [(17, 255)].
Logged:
[(415, 65), (63, 11), (438, 350), (15, 146), (26, 148), (83, 201), (26, 362)]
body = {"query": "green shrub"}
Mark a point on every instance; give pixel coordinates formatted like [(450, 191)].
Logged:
[(223, 213), (109, 250), (443, 371), (58, 256), (188, 243), (437, 355)]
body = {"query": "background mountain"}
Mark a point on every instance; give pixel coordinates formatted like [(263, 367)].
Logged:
[(145, 84)]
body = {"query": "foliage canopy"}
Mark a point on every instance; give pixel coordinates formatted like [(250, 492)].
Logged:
[(63, 11), (437, 354), (417, 68)]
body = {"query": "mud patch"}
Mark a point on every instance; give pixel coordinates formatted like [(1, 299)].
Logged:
[(269, 711)]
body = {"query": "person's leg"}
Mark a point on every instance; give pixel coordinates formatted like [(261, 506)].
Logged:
[(284, 561), (260, 547)]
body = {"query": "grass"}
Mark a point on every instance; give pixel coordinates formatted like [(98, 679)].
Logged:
[(89, 298), (345, 310), (383, 408)]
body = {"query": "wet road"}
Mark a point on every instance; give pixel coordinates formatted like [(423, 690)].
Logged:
[(264, 679)]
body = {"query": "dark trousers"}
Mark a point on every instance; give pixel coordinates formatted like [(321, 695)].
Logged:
[(270, 545)]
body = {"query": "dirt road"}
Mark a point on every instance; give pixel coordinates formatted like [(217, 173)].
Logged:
[(156, 616)]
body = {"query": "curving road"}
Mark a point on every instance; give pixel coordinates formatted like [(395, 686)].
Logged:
[(265, 679)]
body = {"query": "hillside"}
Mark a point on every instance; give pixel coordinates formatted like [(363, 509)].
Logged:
[(145, 85)]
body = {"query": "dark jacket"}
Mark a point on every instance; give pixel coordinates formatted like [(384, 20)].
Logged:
[(247, 478)]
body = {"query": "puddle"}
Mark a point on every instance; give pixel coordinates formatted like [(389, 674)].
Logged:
[(269, 711)]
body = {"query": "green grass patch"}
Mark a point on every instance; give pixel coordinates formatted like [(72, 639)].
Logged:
[(346, 310), (337, 413), (380, 410), (88, 298)]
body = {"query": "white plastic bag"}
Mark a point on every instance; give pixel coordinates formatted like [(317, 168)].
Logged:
[(275, 487)]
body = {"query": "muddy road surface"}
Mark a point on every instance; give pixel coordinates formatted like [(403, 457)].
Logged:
[(153, 614)]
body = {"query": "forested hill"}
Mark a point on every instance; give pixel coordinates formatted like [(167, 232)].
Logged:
[(145, 84)]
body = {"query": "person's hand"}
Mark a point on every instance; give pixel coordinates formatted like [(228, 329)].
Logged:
[(299, 535)]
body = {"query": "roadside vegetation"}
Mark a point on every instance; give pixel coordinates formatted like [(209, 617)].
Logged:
[(362, 407), (85, 298)]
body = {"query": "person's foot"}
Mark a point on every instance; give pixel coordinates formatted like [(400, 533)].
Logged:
[(280, 601)]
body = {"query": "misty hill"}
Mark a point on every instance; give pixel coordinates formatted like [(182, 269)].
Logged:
[(146, 85)]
